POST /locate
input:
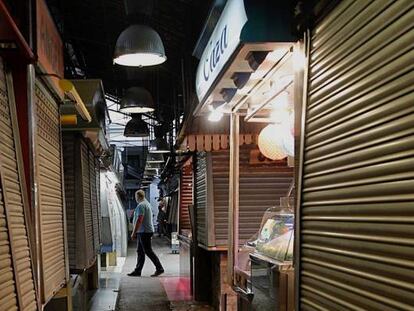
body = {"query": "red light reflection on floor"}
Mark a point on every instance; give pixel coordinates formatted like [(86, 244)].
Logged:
[(177, 288)]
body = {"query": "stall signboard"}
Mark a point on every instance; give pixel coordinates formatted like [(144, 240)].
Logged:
[(223, 42), (49, 47)]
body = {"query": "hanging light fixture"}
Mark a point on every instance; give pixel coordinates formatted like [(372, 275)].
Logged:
[(270, 142), (159, 145), (136, 127), (137, 100), (139, 46)]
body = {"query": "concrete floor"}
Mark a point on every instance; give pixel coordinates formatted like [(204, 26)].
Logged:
[(147, 293), (123, 293)]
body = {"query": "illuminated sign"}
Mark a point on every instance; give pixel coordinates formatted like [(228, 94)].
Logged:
[(223, 42)]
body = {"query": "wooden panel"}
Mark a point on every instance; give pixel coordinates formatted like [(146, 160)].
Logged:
[(186, 196), (50, 193)]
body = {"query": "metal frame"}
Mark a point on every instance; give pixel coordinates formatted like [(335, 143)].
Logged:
[(307, 39), (233, 239)]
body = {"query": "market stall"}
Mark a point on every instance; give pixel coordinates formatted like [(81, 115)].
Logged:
[(246, 77)]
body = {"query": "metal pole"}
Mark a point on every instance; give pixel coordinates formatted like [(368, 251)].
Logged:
[(233, 233), (31, 80)]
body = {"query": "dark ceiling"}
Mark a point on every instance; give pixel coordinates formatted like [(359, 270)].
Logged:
[(90, 28)]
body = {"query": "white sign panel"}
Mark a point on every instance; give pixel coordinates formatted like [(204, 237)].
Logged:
[(223, 42)]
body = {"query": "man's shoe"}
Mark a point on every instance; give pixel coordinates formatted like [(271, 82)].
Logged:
[(134, 273), (157, 273)]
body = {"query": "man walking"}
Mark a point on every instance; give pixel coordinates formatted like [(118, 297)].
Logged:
[(143, 232)]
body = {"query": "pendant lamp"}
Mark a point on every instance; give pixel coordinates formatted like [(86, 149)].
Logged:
[(270, 142), (136, 127), (159, 145), (139, 46), (137, 100)]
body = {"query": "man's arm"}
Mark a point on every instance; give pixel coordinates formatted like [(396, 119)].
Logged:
[(137, 226)]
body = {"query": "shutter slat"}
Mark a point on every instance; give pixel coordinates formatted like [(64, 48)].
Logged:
[(357, 196)]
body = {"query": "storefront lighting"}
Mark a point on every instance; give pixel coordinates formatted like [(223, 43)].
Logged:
[(280, 108), (270, 142), (139, 46), (137, 100), (216, 111)]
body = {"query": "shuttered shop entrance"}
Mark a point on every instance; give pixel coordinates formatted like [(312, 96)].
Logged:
[(357, 197), (17, 291), (82, 205), (50, 193)]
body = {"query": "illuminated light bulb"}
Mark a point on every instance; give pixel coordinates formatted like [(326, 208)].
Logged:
[(271, 143), (280, 108), (215, 115), (139, 59)]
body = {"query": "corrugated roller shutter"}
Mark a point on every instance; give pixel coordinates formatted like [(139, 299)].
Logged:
[(186, 196), (357, 215), (261, 187), (87, 205), (17, 291), (98, 194), (94, 201), (200, 193), (69, 165), (50, 195)]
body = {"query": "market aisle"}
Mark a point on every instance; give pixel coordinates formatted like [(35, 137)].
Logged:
[(147, 293)]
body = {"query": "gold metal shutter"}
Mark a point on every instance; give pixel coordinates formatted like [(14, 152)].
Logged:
[(201, 197), (87, 205), (357, 197), (17, 291), (260, 188), (94, 201), (68, 142), (186, 196), (50, 193)]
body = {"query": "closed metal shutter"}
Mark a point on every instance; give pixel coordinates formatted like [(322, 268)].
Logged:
[(186, 196), (69, 164), (260, 188), (50, 195), (98, 194), (87, 206), (357, 198), (201, 197), (94, 201), (17, 291)]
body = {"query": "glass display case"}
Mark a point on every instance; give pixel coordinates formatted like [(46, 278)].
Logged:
[(265, 273)]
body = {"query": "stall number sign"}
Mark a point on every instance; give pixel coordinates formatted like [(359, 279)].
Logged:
[(223, 42)]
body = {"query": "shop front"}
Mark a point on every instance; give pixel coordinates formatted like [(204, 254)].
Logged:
[(243, 133)]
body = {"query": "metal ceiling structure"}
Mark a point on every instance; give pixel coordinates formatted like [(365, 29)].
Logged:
[(90, 28)]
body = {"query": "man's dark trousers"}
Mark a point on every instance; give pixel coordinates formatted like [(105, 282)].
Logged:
[(144, 248)]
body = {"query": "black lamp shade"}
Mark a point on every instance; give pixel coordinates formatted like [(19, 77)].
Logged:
[(136, 127), (159, 145), (137, 100)]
